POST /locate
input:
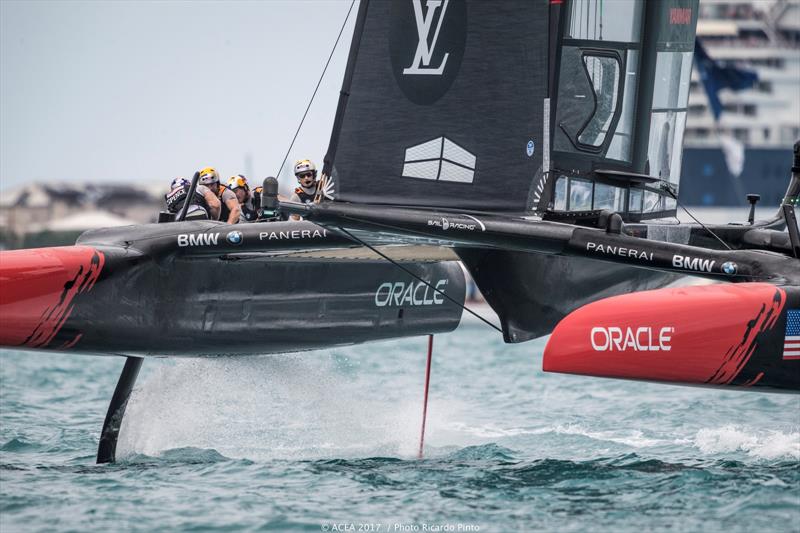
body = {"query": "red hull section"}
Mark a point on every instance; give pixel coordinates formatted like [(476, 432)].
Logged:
[(37, 292), (697, 335)]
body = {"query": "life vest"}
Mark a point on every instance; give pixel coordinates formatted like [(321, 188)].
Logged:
[(248, 211), (177, 196), (255, 197), (304, 196), (224, 211)]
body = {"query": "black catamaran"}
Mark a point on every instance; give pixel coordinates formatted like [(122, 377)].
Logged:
[(542, 142), (538, 143)]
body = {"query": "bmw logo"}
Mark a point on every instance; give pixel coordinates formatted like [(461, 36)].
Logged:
[(235, 237), (530, 148), (730, 268)]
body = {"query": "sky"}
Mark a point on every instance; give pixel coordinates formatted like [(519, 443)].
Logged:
[(124, 92)]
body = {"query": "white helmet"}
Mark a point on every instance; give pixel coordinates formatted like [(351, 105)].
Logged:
[(209, 176), (303, 166), (180, 181)]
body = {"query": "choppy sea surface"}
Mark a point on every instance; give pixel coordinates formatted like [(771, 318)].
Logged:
[(327, 441)]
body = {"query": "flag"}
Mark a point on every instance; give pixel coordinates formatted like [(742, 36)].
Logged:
[(733, 150), (791, 341), (716, 76)]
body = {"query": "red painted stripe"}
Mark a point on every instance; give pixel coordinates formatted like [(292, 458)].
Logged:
[(37, 290), (754, 380)]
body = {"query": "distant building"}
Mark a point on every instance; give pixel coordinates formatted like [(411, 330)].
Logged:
[(36, 213), (762, 36)]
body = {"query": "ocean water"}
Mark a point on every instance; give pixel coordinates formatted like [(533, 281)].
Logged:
[(327, 441)]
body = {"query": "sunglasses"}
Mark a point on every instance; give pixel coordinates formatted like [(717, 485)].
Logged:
[(305, 175)]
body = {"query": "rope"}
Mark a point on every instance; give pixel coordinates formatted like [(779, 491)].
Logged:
[(291, 145), (669, 190), (410, 273)]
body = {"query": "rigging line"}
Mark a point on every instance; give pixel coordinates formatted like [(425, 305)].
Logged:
[(725, 244), (291, 145), (410, 273)]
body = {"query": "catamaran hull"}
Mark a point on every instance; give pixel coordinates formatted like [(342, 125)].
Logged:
[(115, 300), (727, 335)]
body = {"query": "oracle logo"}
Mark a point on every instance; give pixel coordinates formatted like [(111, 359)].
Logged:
[(400, 293), (641, 339)]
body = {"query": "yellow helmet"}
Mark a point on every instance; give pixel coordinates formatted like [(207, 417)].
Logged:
[(208, 176), (238, 182), (303, 166)]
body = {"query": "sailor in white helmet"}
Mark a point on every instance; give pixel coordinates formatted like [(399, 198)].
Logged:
[(306, 173), (308, 190)]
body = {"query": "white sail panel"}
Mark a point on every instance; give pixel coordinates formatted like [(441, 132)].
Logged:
[(429, 150), (427, 170), (456, 154), (456, 173)]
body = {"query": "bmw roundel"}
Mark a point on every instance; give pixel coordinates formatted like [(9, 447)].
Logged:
[(729, 268), (235, 237)]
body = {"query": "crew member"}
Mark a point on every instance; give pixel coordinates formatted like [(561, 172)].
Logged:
[(203, 205), (310, 188), (229, 210), (248, 201), (306, 173)]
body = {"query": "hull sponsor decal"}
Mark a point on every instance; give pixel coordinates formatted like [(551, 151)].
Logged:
[(295, 235), (200, 239), (641, 339), (701, 335), (448, 224), (621, 251), (694, 264), (399, 293)]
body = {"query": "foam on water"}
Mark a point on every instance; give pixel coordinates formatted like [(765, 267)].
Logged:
[(287, 407), (763, 445), (319, 406), (299, 441)]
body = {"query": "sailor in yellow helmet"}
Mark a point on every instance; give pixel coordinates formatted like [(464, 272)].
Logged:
[(248, 202), (230, 210)]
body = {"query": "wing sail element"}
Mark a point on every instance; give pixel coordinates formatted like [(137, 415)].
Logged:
[(442, 104), (515, 106)]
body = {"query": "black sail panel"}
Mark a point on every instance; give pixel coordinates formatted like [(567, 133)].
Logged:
[(443, 105)]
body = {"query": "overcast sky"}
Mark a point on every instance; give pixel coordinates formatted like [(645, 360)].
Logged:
[(145, 91)]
